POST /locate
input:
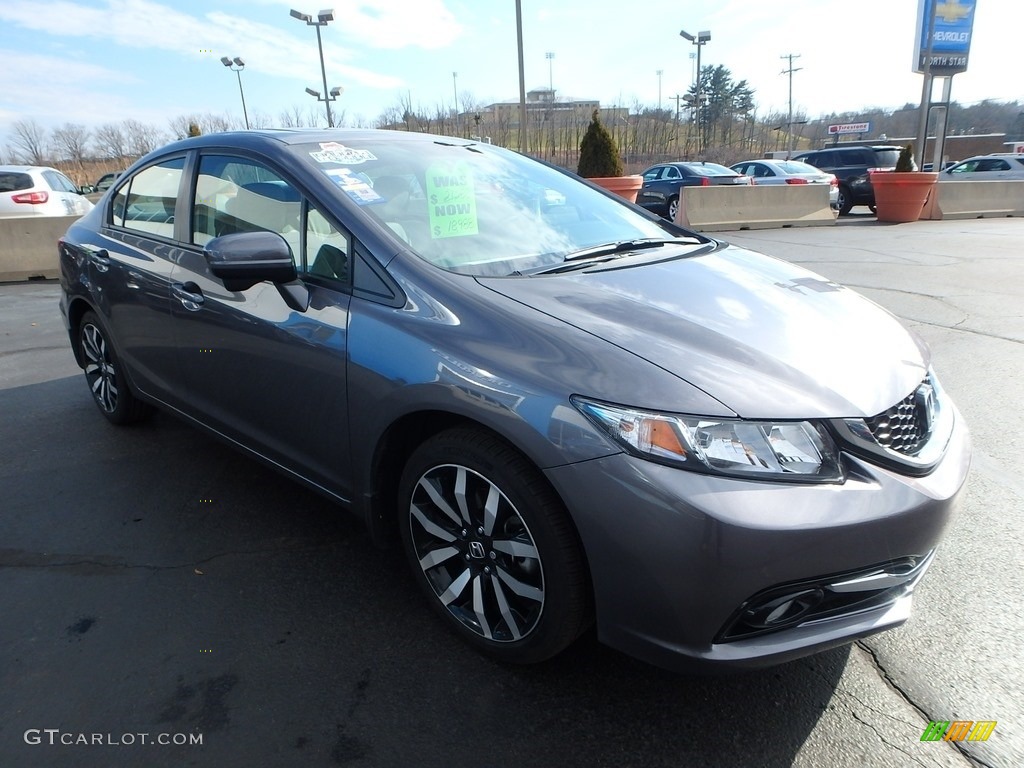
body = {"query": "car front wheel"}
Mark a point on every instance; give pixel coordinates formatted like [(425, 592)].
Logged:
[(104, 375), (493, 547)]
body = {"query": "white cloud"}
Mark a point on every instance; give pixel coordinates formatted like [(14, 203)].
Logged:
[(393, 24)]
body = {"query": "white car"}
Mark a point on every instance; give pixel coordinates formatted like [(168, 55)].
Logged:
[(777, 172), (35, 190), (986, 168)]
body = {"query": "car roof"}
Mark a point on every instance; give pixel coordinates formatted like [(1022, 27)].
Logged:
[(1016, 155), (26, 168)]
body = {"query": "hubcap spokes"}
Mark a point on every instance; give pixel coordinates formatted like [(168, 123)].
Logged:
[(477, 553), (99, 370)]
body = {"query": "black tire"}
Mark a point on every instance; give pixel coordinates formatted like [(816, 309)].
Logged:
[(673, 207), (845, 201), (504, 568), (874, 208), (103, 373)]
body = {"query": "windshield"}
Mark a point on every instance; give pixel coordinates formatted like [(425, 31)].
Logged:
[(886, 158), (475, 208), (710, 169), (795, 166)]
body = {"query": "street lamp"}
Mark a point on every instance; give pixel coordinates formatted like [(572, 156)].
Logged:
[(333, 94), (236, 65), (322, 20), (550, 55), (700, 39)]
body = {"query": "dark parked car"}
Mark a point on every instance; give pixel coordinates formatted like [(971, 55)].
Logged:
[(660, 192), (107, 180), (567, 411), (851, 164)]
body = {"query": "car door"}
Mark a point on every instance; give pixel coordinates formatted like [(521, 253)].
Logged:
[(648, 197), (129, 273), (72, 203), (258, 370)]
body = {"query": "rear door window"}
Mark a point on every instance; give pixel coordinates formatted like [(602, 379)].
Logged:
[(13, 182)]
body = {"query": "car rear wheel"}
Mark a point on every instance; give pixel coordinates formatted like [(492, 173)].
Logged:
[(104, 375), (845, 201), (673, 207), (492, 547)]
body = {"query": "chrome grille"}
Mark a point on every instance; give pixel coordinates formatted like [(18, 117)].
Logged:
[(906, 426)]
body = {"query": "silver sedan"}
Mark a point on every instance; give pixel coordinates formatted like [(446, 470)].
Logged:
[(772, 172)]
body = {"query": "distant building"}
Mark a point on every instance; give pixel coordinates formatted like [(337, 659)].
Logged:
[(542, 105)]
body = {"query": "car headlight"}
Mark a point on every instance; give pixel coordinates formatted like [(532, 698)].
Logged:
[(793, 451)]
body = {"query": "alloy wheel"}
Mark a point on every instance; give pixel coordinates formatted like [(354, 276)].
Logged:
[(100, 372), (477, 553)]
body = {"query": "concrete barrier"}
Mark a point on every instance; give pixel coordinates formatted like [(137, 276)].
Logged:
[(714, 209), (975, 200), (28, 246)]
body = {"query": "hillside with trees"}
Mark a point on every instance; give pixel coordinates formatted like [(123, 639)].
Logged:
[(729, 126)]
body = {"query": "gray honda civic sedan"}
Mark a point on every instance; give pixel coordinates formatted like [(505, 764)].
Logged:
[(568, 411)]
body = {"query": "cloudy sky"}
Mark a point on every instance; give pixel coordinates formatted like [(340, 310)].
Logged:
[(95, 61)]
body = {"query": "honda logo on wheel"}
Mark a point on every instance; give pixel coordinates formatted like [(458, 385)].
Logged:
[(476, 549)]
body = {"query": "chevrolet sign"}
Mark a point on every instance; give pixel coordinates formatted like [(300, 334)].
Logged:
[(951, 39)]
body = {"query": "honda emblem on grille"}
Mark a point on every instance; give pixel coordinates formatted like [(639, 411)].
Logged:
[(924, 399), (476, 549)]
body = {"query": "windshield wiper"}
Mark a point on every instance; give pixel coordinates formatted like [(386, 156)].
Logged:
[(619, 246), (596, 254)]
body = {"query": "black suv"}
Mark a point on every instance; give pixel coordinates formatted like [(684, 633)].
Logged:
[(850, 164)]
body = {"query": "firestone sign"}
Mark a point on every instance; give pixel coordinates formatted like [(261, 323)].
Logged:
[(951, 42), (835, 130)]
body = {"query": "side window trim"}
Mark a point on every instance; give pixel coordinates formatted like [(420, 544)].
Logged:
[(126, 182)]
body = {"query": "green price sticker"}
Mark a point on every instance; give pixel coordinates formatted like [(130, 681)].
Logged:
[(451, 200)]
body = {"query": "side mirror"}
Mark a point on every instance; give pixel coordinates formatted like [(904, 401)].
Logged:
[(243, 259), (87, 189)]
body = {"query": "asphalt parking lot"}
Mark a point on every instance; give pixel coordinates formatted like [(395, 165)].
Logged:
[(154, 581)]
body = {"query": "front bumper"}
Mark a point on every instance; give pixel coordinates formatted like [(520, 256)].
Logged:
[(675, 555)]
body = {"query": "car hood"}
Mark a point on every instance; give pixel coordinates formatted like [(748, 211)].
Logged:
[(764, 337)]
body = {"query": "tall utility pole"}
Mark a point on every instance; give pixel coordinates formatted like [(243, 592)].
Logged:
[(455, 93), (522, 77), (550, 55), (789, 123), (660, 73)]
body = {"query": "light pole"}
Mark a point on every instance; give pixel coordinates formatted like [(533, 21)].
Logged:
[(322, 20), (232, 64), (455, 93), (659, 73), (789, 124), (700, 39), (333, 94), (522, 77), (550, 55)]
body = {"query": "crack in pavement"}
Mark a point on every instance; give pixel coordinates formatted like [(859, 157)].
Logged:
[(881, 738), (891, 682)]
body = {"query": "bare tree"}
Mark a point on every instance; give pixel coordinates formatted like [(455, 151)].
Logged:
[(29, 141), (71, 142), (260, 120), (293, 117), (141, 138), (110, 141), (179, 125)]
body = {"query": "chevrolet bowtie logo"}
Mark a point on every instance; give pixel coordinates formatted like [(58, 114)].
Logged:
[(952, 11)]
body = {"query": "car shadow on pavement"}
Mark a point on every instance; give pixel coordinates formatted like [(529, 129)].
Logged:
[(156, 581)]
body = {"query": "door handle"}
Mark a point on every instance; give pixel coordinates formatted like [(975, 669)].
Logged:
[(100, 259), (189, 294)]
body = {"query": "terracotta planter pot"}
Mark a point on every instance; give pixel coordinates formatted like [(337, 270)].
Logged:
[(623, 186), (901, 196)]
